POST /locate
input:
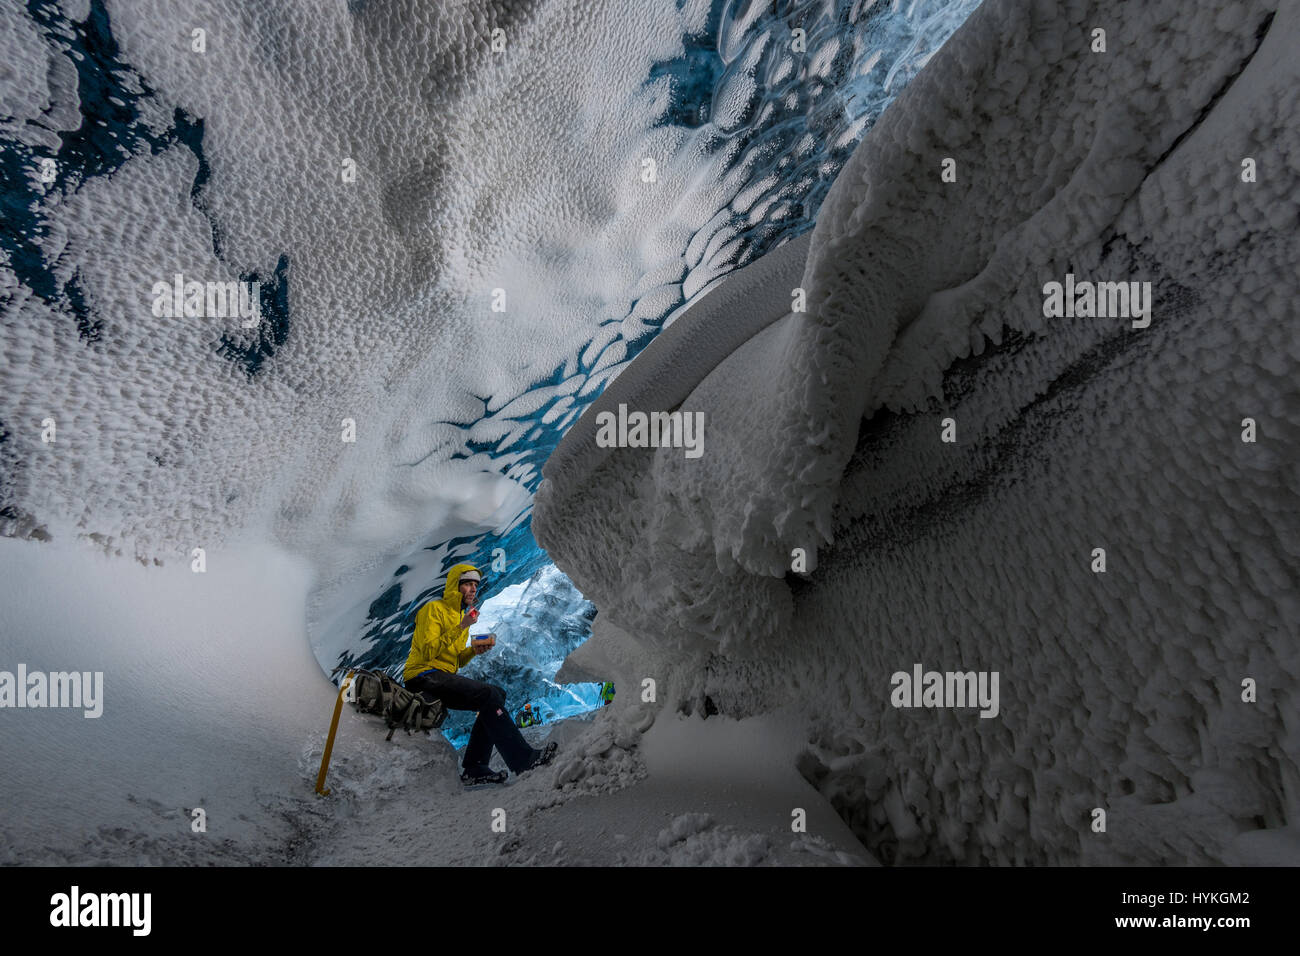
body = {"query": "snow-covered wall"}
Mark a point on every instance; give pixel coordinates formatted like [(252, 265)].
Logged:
[(1120, 157)]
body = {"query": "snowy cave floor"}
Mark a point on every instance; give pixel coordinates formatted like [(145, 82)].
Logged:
[(696, 792), (218, 705)]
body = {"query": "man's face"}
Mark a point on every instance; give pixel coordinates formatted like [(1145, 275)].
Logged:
[(468, 592)]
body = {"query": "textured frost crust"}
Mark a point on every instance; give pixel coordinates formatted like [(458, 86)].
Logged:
[(1121, 690)]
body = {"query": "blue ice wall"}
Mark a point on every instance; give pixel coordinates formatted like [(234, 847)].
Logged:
[(537, 624)]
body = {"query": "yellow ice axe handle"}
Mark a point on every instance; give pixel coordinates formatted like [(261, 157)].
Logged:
[(329, 741)]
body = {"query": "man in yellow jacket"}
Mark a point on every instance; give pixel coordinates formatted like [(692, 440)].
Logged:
[(441, 646)]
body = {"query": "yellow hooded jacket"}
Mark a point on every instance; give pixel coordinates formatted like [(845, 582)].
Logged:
[(439, 639)]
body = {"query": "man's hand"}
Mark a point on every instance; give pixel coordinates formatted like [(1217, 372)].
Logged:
[(488, 641), (470, 617)]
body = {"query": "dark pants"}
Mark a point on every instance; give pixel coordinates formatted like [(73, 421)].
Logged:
[(493, 725)]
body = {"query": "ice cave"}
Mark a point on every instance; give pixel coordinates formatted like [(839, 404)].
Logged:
[(962, 503)]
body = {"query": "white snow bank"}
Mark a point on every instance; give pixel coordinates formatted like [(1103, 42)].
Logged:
[(212, 700), (210, 692), (720, 793)]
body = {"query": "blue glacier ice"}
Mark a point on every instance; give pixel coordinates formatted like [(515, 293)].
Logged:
[(537, 624)]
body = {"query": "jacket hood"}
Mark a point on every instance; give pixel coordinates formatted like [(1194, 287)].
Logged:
[(451, 593)]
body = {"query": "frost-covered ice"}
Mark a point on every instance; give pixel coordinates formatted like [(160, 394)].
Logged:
[(1119, 690), (475, 171)]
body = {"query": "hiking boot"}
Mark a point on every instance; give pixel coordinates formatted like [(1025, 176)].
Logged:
[(544, 756), (478, 779)]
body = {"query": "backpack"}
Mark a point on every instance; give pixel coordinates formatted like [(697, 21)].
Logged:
[(374, 692)]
